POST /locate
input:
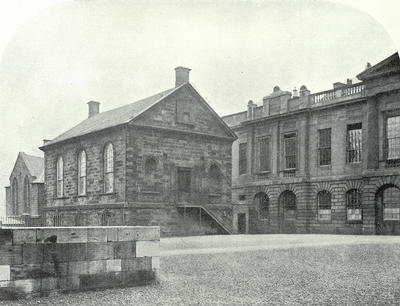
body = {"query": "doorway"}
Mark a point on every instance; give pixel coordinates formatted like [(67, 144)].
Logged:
[(387, 210), (241, 217)]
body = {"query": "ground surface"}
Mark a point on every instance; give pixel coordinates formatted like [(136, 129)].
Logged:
[(262, 269)]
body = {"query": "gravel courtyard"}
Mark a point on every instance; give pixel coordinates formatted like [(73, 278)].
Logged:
[(262, 269)]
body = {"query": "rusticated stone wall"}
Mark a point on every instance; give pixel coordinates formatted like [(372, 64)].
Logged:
[(37, 261)]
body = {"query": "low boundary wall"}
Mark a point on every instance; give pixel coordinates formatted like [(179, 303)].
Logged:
[(35, 261)]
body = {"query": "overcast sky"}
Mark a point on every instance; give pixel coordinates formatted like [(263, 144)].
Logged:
[(57, 55)]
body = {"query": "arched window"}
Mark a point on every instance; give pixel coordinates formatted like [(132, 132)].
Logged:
[(262, 202), (288, 199), (215, 179), (15, 197), (391, 204), (287, 203), (108, 168), (82, 173), (353, 204), (324, 205), (27, 195), (60, 177), (150, 167)]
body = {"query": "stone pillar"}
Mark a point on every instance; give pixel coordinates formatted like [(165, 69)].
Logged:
[(371, 139)]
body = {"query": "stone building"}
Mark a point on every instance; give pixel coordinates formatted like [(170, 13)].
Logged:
[(25, 194), (164, 160), (327, 162)]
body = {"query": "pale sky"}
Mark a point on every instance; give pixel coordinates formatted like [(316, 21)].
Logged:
[(57, 55)]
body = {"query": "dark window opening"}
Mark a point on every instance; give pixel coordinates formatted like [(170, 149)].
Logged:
[(184, 180), (290, 150), (215, 179), (393, 138), (354, 143), (264, 154), (324, 205), (15, 197), (262, 201), (324, 147), (27, 195), (353, 204), (242, 158), (150, 167)]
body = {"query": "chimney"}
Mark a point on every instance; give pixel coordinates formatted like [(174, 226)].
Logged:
[(250, 110), (94, 108), (46, 141), (295, 93), (349, 82), (181, 75)]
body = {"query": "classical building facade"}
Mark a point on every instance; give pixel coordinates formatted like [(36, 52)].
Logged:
[(164, 160), (25, 194), (327, 162)]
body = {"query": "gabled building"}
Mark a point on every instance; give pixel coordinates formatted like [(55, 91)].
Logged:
[(25, 194), (325, 162), (164, 160)]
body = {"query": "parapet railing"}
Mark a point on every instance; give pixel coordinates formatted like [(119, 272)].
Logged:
[(328, 95)]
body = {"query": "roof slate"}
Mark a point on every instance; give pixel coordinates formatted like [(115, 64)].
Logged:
[(35, 165), (111, 118)]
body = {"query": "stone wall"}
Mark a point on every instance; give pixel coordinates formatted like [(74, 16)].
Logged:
[(37, 261), (93, 145)]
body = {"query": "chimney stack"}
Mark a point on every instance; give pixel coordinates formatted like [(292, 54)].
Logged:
[(94, 108), (181, 75)]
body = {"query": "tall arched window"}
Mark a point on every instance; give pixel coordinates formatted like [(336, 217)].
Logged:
[(27, 195), (353, 204), (82, 173), (324, 205), (108, 168), (60, 177), (262, 201), (14, 197), (215, 179)]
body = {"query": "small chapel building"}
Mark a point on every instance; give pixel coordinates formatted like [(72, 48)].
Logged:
[(163, 160)]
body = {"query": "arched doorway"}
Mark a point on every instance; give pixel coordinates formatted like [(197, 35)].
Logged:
[(387, 210), (287, 212)]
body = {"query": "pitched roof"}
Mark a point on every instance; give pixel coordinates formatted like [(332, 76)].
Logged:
[(114, 117), (35, 165), (389, 64)]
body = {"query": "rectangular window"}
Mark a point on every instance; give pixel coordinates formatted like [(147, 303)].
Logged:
[(393, 138), (324, 147), (184, 179), (290, 150), (242, 158), (354, 143), (264, 154)]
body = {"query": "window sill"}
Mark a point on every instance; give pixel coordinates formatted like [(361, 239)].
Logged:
[(263, 219), (214, 195), (107, 193), (354, 222), (263, 172), (325, 166), (60, 198), (150, 192), (82, 196)]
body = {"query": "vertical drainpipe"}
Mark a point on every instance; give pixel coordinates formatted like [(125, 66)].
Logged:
[(125, 178)]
